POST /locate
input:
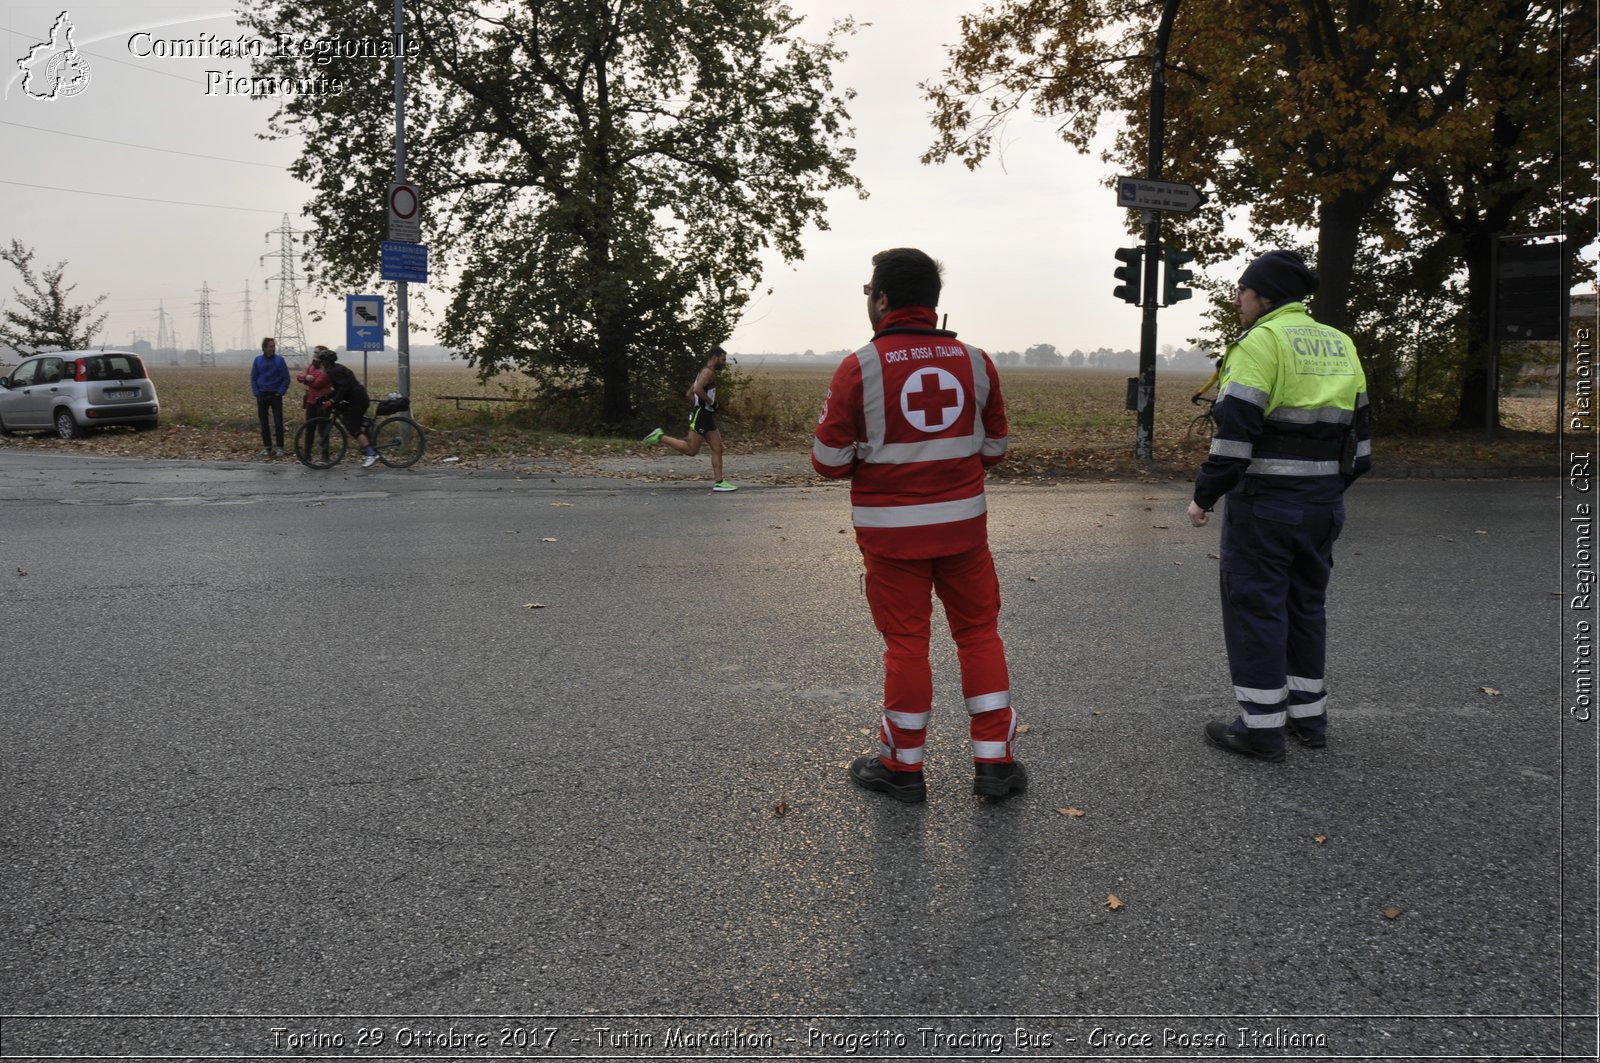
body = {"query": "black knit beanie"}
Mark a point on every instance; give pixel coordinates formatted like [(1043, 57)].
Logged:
[(1281, 276)]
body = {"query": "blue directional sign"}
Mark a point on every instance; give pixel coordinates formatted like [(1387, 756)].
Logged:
[(404, 262), (363, 322)]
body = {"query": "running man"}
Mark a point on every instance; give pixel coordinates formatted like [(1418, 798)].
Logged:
[(702, 420)]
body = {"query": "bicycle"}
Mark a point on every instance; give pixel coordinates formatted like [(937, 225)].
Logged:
[(398, 439), (1204, 426)]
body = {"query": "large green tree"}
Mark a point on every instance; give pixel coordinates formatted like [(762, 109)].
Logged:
[(44, 318), (602, 175), (1333, 117)]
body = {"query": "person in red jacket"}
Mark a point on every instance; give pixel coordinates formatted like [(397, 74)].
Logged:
[(317, 389), (913, 419)]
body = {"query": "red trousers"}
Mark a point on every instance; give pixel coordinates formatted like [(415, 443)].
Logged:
[(901, 596)]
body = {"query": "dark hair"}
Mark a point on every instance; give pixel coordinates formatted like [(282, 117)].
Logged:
[(907, 276), (328, 356), (716, 352)]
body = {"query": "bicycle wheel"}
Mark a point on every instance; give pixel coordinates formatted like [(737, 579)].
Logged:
[(399, 440), (320, 443), (1201, 430)]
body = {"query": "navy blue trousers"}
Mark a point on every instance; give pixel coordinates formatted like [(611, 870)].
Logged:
[(1277, 557)]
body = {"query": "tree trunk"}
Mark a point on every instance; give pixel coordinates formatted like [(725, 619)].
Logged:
[(616, 400), (1340, 222), (1473, 408)]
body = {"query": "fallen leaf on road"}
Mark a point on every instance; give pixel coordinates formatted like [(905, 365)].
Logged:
[(1320, 839), (1075, 813), (1391, 912), (21, 571), (550, 539), (780, 810), (1024, 728), (1215, 557), (1097, 712), (1033, 579), (534, 605), (1491, 691), (1113, 902)]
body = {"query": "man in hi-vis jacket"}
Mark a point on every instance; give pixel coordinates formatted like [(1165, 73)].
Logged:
[(1294, 430), (914, 418)]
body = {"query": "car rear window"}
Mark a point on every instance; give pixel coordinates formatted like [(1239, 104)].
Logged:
[(110, 367)]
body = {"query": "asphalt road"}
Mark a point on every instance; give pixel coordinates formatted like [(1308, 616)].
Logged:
[(296, 752)]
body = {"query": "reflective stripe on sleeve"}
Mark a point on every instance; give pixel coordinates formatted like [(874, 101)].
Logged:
[(1364, 449), (916, 516), (994, 448), (827, 455), (1254, 396), (1000, 699), (1232, 448)]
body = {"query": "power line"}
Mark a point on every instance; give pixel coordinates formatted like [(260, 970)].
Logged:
[(141, 199), (143, 147)]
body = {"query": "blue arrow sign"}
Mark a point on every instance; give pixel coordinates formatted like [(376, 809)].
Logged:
[(404, 262), (363, 322)]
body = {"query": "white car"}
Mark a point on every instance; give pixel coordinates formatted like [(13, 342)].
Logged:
[(70, 392)]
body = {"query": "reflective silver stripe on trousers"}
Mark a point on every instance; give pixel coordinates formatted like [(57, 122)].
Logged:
[(1292, 467), (990, 750), (901, 756), (1000, 699), (1257, 696), (908, 721), (916, 516), (1302, 685), (833, 455), (1265, 720), (1232, 448)]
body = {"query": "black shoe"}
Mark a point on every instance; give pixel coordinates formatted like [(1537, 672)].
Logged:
[(1309, 739), (869, 773), (1220, 734), (999, 780)]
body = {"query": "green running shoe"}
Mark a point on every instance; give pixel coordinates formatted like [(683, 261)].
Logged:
[(723, 485), (654, 437)]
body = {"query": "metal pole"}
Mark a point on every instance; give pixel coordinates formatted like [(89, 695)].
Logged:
[(1144, 439), (402, 311)]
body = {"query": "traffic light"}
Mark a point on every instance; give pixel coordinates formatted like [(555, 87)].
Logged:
[(1172, 290), (1128, 290)]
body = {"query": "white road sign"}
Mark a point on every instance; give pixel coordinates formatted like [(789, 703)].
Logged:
[(405, 213), (1142, 194)]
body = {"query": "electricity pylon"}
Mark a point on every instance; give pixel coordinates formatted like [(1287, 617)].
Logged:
[(291, 328)]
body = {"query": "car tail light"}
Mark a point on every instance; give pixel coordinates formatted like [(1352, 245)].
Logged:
[(80, 370)]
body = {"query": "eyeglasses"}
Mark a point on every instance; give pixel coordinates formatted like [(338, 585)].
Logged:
[(866, 289)]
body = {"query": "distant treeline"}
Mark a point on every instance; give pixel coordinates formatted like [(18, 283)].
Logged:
[(1039, 356)]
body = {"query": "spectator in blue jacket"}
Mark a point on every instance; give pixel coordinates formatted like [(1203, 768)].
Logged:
[(269, 382)]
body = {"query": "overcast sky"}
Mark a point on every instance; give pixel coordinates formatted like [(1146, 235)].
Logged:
[(149, 188)]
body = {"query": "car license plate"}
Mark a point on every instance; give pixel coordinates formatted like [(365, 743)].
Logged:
[(122, 393)]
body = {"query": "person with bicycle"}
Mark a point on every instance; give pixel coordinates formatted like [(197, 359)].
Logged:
[(317, 389), (348, 400)]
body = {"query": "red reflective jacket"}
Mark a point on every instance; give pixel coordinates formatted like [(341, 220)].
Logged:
[(914, 417)]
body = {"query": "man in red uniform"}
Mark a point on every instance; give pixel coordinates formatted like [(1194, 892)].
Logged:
[(914, 418)]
